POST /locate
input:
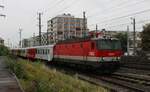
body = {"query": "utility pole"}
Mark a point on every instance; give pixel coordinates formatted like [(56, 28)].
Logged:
[(134, 37), (47, 37), (20, 34), (34, 39), (40, 26), (84, 25), (96, 30), (128, 40)]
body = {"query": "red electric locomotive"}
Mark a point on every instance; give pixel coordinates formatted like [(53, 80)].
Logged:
[(96, 53)]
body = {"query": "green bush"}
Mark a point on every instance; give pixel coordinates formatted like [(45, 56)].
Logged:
[(3, 50), (36, 77)]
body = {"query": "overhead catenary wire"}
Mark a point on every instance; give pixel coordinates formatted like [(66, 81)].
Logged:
[(120, 7), (63, 9), (106, 9), (124, 16), (56, 3), (138, 23)]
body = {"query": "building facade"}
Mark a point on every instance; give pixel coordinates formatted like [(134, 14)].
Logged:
[(34, 41), (66, 26)]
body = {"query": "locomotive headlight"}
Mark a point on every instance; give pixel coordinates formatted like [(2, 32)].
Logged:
[(118, 58)]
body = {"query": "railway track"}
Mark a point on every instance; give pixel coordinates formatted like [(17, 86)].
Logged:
[(145, 65), (119, 82), (133, 71), (116, 82)]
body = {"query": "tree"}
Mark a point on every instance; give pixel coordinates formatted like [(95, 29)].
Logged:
[(123, 39), (146, 38)]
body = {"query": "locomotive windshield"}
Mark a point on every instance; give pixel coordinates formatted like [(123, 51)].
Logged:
[(108, 44)]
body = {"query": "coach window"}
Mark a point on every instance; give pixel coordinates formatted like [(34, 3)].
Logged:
[(40, 51), (43, 51), (47, 51)]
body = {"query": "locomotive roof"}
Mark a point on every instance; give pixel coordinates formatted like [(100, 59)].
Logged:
[(83, 40), (74, 40), (34, 47)]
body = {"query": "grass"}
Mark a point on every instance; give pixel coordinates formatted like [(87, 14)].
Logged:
[(36, 77)]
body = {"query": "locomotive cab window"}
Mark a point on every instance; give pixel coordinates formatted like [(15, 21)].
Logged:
[(107, 44)]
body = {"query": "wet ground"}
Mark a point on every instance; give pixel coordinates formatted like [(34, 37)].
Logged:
[(8, 82)]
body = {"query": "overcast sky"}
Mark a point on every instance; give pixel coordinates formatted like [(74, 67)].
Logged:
[(23, 14)]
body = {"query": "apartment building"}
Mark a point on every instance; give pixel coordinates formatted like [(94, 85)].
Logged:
[(66, 26)]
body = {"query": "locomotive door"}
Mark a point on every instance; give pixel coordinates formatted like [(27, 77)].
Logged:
[(85, 51)]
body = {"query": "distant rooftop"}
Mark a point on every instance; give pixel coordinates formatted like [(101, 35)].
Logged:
[(65, 15)]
